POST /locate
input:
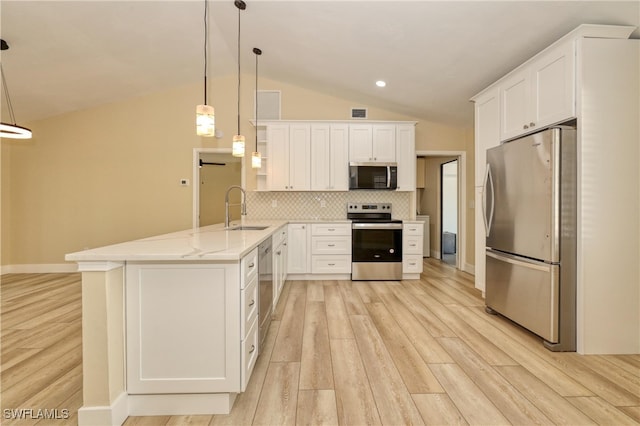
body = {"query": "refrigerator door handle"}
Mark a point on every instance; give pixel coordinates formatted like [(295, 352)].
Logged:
[(487, 179), (518, 261)]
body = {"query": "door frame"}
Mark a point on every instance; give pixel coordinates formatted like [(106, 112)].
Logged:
[(196, 178), (461, 259), (441, 230)]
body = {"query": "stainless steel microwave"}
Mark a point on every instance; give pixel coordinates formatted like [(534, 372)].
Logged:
[(373, 176)]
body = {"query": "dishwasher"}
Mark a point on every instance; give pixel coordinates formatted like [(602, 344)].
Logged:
[(265, 277)]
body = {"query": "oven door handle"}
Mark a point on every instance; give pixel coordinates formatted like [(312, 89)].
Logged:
[(376, 226)]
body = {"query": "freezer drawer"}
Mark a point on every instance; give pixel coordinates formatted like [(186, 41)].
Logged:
[(525, 291)]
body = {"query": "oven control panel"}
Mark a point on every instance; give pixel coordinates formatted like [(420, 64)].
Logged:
[(369, 208)]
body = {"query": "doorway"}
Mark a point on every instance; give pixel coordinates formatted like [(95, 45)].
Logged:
[(215, 170), (449, 212)]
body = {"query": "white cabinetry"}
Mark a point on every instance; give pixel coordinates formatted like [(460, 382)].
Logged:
[(487, 130), (289, 152), (412, 245), (541, 93), (331, 248), (298, 248), (170, 308), (372, 143), (280, 255), (329, 151), (406, 156)]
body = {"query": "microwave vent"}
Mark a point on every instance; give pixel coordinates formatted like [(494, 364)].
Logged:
[(359, 113)]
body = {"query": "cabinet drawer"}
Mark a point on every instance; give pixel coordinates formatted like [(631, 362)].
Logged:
[(331, 264), (412, 264), (331, 229), (249, 354), (412, 244), (331, 245), (249, 267), (412, 229), (249, 304)]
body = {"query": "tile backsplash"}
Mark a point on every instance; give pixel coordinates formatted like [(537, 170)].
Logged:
[(321, 205)]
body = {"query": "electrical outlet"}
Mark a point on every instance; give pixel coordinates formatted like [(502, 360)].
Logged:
[(274, 203), (184, 182)]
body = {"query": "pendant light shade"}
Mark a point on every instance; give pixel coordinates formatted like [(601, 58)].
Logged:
[(256, 157), (237, 149), (205, 114), (10, 130), (238, 140), (205, 120)]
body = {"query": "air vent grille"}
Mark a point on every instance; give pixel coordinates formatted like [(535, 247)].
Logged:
[(360, 113)]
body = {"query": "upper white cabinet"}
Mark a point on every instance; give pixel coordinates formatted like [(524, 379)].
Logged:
[(540, 93), (487, 129), (329, 150), (372, 143), (289, 152), (406, 156)]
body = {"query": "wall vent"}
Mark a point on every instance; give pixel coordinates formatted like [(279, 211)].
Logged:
[(359, 113), (268, 104)]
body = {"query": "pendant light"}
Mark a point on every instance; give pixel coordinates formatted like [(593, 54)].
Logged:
[(205, 114), (8, 130), (256, 158), (237, 149)]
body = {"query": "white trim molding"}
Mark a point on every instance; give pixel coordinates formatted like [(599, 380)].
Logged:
[(39, 268), (113, 415)]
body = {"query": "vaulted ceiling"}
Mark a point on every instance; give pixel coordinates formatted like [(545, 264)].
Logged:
[(434, 55)]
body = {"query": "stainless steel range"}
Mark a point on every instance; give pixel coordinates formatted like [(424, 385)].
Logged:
[(376, 246)]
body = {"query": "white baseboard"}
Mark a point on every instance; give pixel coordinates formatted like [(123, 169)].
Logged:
[(39, 268), (113, 415), (181, 404)]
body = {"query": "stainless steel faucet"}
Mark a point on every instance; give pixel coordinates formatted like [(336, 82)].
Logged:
[(243, 209)]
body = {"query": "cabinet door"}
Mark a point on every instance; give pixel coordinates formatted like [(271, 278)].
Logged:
[(278, 153), (514, 101), (321, 154), (298, 252), (339, 157), (406, 156), (183, 328), (487, 129), (299, 157), (384, 143), (553, 86), (360, 139)]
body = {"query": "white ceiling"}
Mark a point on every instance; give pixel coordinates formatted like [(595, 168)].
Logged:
[(434, 55)]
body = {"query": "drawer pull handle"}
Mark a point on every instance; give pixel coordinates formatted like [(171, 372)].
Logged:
[(251, 265), (331, 229), (412, 245), (332, 264), (331, 245), (253, 302), (253, 348), (278, 252)]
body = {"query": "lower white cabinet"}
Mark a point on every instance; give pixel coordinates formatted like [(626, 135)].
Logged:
[(183, 330), (331, 248), (412, 246), (298, 251), (280, 255)]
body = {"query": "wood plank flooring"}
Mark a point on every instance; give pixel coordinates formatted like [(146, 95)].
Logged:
[(349, 353)]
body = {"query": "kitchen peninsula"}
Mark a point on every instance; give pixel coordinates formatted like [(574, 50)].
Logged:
[(170, 322)]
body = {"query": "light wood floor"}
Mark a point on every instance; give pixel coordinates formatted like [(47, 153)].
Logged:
[(352, 353)]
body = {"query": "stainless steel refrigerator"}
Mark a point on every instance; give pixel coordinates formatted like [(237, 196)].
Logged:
[(530, 220)]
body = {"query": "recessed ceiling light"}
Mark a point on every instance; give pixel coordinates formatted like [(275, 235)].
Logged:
[(381, 83)]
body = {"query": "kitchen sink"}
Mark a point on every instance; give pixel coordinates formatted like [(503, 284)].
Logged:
[(246, 228)]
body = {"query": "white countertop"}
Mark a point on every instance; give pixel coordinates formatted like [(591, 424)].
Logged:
[(211, 242)]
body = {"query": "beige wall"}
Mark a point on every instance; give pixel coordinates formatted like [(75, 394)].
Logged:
[(110, 174)]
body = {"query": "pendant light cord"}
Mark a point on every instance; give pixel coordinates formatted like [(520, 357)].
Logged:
[(12, 117), (254, 50), (206, 41), (239, 12)]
